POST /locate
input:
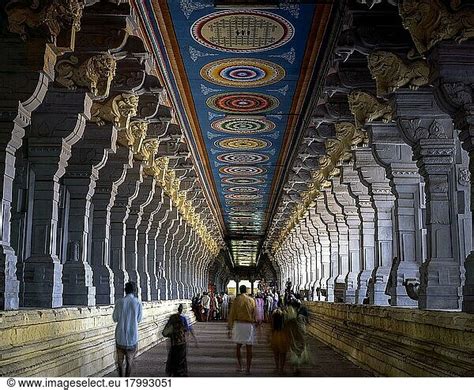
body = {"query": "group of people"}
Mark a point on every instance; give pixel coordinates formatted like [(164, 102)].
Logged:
[(287, 315), (288, 319), (209, 306)]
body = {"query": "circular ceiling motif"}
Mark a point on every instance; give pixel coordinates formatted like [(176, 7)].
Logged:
[(244, 209), (243, 125), (242, 180), (243, 143), (243, 196), (241, 170), (243, 190), (243, 158), (242, 72), (242, 31), (242, 103)]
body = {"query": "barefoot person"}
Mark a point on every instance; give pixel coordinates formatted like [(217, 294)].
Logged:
[(242, 324)]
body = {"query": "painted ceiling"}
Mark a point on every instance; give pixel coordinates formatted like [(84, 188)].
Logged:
[(238, 76)]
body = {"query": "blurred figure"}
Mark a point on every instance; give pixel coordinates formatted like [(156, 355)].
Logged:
[(279, 340), (260, 309), (206, 305), (225, 306)]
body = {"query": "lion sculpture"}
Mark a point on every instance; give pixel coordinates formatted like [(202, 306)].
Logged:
[(429, 22), (367, 108), (391, 72), (96, 73), (53, 16), (117, 110)]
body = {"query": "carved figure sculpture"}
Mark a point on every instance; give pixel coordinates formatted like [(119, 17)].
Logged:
[(366, 108), (54, 16), (97, 71), (429, 22), (133, 135), (391, 72), (117, 110), (148, 151)]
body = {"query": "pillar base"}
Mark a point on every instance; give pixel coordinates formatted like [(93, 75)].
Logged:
[(9, 285), (378, 287), (330, 284), (435, 292), (77, 284), (405, 270), (103, 279), (362, 287), (43, 283)]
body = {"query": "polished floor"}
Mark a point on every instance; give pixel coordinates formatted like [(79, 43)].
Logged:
[(215, 357)]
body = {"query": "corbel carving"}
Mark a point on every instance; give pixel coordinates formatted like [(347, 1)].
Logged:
[(391, 72), (147, 152), (366, 108), (95, 73), (430, 22), (50, 16), (133, 135), (117, 110)]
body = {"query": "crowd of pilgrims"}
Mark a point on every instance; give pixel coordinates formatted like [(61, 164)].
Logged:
[(285, 312)]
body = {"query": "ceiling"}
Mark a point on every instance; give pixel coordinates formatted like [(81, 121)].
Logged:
[(239, 77)]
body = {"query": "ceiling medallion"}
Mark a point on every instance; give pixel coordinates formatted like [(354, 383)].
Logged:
[(243, 158), (244, 209), (243, 196), (243, 125), (242, 31), (242, 180), (242, 72), (242, 103), (243, 190), (243, 144), (241, 170)]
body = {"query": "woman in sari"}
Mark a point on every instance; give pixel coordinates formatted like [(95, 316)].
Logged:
[(260, 309), (295, 326), (176, 329)]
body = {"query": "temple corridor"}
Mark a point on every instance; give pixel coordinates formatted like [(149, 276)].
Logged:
[(215, 356), (319, 152)]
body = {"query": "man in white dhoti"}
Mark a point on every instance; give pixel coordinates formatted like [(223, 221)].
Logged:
[(242, 323)]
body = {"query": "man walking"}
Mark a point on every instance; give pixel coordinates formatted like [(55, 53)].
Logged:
[(241, 322), (127, 314)]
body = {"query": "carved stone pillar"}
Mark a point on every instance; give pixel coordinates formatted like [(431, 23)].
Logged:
[(351, 271), (119, 215), (430, 134), (330, 223), (113, 175), (343, 243), (322, 246), (373, 175), (26, 69), (89, 156), (366, 212), (325, 256), (396, 156), (164, 224), (176, 238), (56, 126), (167, 253)]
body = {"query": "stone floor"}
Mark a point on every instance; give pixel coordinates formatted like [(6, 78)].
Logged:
[(215, 357)]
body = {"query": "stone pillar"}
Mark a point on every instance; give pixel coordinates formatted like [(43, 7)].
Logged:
[(89, 156), (167, 255), (26, 69), (331, 227), (118, 229), (373, 175), (138, 204), (367, 216), (343, 244), (396, 156), (174, 247), (323, 234), (430, 134), (56, 126), (113, 175), (353, 221), (160, 246), (317, 260)]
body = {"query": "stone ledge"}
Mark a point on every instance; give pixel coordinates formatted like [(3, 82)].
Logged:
[(393, 341), (71, 341)]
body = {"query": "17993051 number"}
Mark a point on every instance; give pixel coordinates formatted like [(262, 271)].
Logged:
[(147, 382)]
